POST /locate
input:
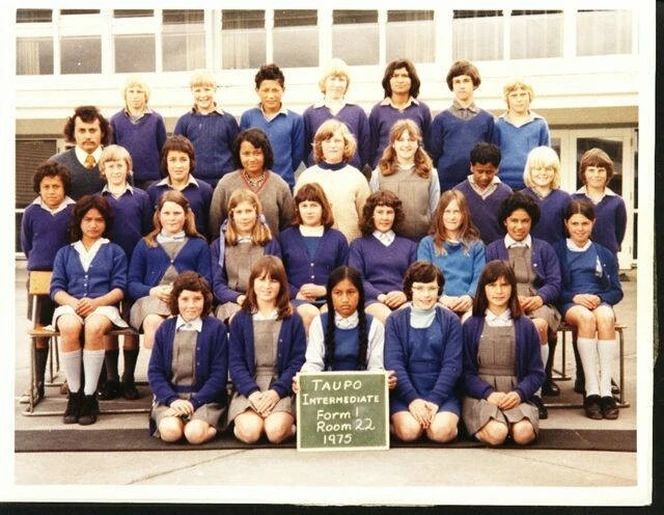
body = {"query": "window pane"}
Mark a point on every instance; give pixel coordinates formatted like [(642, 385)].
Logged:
[(536, 34), (34, 56), (355, 36), (410, 34), (183, 40), (133, 13), (604, 32), (478, 35), (134, 53), (34, 15), (242, 39), (295, 30), (80, 55)]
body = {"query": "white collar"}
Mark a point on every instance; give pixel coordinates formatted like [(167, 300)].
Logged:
[(193, 325), (511, 242), (166, 181), (162, 237), (387, 101), (82, 154), (273, 315), (128, 187), (572, 246), (346, 323), (305, 230), (386, 238), (502, 320), (40, 202)]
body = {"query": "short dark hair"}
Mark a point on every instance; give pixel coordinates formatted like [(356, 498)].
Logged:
[(87, 114), (422, 272), (51, 169), (313, 192), (463, 67), (269, 72), (192, 281), (595, 157), (381, 198), (258, 139), (85, 204), (412, 73), (177, 143), (518, 200), (484, 153), (580, 207), (493, 271)]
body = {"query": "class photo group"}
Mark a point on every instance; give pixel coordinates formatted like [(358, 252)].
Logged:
[(241, 252)]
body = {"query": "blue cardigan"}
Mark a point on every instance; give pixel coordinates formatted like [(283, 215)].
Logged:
[(397, 359), (149, 264), (290, 354), (609, 281), (545, 264), (107, 272), (529, 368), (222, 292), (211, 364), (332, 252)]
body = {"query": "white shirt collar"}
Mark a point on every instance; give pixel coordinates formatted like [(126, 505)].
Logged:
[(305, 230), (166, 181), (162, 237), (40, 202), (87, 255), (511, 242), (270, 117), (273, 315), (193, 325), (572, 246), (128, 187), (387, 101), (502, 320), (346, 323), (608, 192), (82, 154), (386, 238)]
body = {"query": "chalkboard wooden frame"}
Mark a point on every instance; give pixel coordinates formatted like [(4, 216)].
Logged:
[(343, 411)]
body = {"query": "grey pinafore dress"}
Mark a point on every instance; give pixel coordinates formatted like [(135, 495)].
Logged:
[(183, 366), (238, 262), (521, 261), (150, 305), (496, 361), (266, 338)]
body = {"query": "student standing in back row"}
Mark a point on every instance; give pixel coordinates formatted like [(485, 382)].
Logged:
[(210, 130), (284, 128), (456, 130)]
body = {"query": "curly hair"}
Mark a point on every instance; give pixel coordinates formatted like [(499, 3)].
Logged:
[(51, 169), (273, 268), (191, 281), (85, 204), (381, 198), (269, 72), (326, 131), (336, 276), (388, 163), (518, 200), (87, 114)]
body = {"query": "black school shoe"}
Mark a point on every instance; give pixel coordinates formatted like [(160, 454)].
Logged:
[(541, 408), (110, 390), (89, 410), (73, 409), (609, 407), (592, 406), (550, 389), (129, 391)]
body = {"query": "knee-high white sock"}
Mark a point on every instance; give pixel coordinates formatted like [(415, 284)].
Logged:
[(545, 357), (93, 360), (588, 352), (607, 351), (71, 365)]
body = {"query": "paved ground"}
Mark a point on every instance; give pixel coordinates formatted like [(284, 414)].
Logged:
[(395, 477)]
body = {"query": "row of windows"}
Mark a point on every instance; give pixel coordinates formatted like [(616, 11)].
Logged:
[(127, 41)]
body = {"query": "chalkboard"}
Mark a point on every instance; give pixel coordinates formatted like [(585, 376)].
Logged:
[(343, 411)]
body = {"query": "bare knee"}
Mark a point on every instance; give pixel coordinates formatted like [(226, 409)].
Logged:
[(444, 428), (406, 428), (248, 427), (523, 432), (170, 429), (197, 432), (493, 433), (278, 427)]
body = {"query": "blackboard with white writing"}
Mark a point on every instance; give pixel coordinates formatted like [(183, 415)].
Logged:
[(343, 411)]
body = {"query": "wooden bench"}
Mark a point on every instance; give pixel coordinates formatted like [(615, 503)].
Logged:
[(39, 283), (564, 329)]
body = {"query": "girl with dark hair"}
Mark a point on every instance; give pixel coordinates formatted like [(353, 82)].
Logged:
[(455, 247), (253, 158), (244, 239), (177, 167), (406, 169), (537, 271), (311, 249), (344, 337), (590, 289), (423, 347), (189, 366), (89, 280), (380, 255), (173, 247), (401, 87), (502, 362), (267, 344)]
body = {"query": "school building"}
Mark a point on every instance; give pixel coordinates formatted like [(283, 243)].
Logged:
[(582, 63)]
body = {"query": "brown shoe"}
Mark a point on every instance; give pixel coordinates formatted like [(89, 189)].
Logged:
[(592, 407), (609, 408)]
